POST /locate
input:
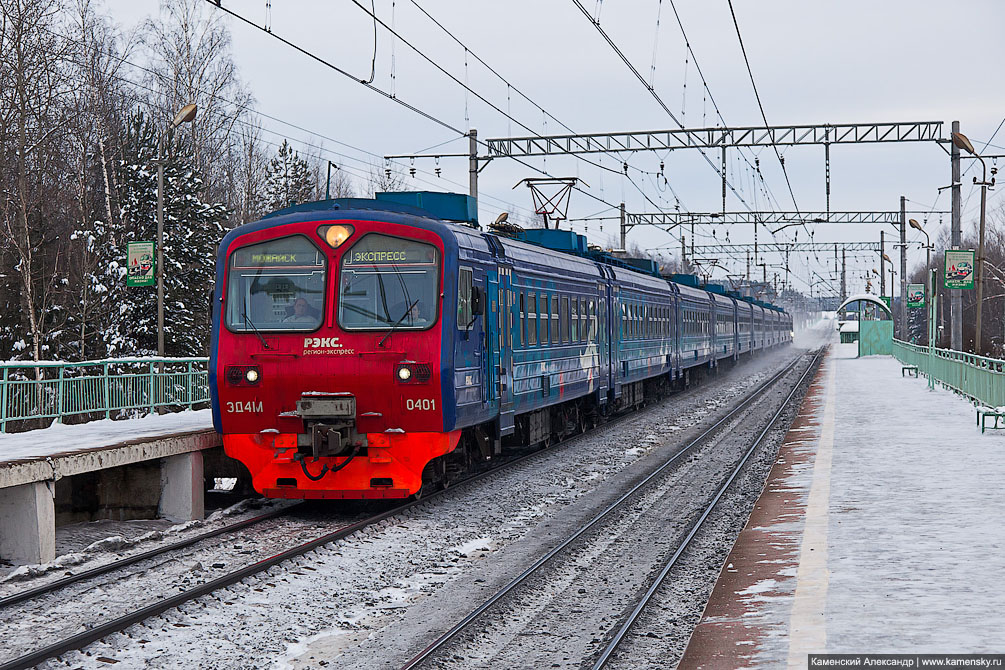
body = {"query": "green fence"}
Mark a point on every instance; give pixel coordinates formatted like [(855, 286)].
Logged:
[(980, 379), (32, 394)]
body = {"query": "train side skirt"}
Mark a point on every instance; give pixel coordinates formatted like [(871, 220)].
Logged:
[(391, 468)]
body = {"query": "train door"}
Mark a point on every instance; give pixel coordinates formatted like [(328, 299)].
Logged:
[(491, 359), (507, 303), (614, 324), (603, 343)]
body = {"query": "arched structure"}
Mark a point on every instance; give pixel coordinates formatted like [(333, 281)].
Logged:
[(866, 297)]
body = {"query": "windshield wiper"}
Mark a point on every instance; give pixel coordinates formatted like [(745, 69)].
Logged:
[(247, 322), (398, 322)]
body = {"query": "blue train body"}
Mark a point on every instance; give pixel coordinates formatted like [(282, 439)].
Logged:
[(523, 338)]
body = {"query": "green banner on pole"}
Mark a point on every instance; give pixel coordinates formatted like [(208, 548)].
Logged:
[(888, 300), (140, 261), (915, 295), (959, 269)]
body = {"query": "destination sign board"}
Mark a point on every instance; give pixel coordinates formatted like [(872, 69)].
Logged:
[(385, 250), (959, 269), (262, 256)]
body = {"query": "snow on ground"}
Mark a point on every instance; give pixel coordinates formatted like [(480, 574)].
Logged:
[(61, 439), (915, 532), (334, 601), (913, 525)]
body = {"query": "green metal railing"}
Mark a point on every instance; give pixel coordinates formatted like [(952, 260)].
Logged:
[(976, 377), (33, 392)]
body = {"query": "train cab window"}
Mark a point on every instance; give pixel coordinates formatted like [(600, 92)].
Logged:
[(464, 319), (554, 320), (277, 285), (532, 319), (389, 281)]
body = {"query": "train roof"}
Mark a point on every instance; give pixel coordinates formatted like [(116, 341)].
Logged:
[(564, 249)]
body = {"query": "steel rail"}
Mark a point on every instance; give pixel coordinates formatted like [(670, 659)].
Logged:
[(630, 620), (120, 623), (446, 637), (57, 584)]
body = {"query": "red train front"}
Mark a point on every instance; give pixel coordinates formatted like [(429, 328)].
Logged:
[(326, 353)]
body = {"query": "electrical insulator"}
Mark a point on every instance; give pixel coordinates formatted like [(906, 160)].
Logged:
[(661, 167), (624, 166), (438, 172), (411, 171), (387, 172)]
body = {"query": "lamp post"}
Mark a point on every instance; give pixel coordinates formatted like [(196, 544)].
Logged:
[(960, 141), (882, 268), (328, 182), (928, 241), (930, 289), (184, 115)]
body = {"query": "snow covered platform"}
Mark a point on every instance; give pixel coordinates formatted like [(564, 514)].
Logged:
[(134, 466), (878, 531)]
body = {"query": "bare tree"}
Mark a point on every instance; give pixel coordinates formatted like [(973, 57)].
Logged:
[(34, 92), (251, 165), (192, 64), (385, 179), (341, 184)]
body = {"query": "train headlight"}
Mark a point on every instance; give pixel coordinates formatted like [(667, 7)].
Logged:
[(242, 375), (336, 234), (404, 373)]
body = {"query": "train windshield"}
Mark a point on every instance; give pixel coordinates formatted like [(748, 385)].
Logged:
[(276, 286), (387, 281)]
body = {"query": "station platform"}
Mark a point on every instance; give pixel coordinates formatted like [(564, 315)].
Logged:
[(133, 468), (879, 530)]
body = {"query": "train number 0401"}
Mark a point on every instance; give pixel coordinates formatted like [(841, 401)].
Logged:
[(421, 404)]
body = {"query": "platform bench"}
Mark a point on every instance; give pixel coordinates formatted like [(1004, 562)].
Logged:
[(911, 370), (995, 412)]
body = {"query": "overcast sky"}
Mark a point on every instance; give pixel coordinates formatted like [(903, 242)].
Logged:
[(813, 63)]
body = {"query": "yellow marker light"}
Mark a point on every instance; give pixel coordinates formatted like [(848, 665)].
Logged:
[(337, 234), (404, 373), (251, 375)]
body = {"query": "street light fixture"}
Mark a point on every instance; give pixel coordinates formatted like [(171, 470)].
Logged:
[(960, 141), (184, 115), (928, 241)]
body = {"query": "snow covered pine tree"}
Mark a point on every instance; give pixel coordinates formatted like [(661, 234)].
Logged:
[(192, 231), (288, 180)]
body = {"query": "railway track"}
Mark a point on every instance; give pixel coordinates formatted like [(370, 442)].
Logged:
[(443, 642), (120, 623), (621, 635), (122, 563), (116, 624)]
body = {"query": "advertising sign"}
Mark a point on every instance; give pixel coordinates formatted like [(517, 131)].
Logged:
[(140, 260), (915, 295), (959, 268)]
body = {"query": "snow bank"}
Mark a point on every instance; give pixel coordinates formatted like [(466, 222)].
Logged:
[(61, 439)]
